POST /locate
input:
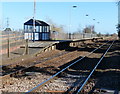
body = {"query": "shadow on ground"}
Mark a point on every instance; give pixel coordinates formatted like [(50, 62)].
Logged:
[(107, 74)]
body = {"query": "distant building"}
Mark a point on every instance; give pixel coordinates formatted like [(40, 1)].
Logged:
[(42, 30), (7, 29)]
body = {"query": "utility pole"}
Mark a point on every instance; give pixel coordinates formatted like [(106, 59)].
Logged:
[(7, 22), (34, 20), (8, 38)]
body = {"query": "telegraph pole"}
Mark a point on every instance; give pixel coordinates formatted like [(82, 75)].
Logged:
[(34, 20), (7, 22), (8, 38)]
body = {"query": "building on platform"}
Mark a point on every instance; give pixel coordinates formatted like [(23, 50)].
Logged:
[(42, 30)]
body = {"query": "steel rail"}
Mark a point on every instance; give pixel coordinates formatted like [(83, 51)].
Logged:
[(50, 78), (94, 68)]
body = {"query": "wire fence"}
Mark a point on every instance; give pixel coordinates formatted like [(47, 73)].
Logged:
[(66, 36)]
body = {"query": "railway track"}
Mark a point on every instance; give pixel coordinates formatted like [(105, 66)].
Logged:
[(84, 79), (19, 66), (91, 73), (64, 57)]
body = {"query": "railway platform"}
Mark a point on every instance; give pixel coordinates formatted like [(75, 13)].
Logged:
[(35, 48)]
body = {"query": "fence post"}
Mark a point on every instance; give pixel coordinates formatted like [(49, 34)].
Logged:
[(8, 47), (83, 35), (26, 47)]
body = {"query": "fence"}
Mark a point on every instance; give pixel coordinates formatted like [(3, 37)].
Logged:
[(16, 39), (12, 39), (66, 36)]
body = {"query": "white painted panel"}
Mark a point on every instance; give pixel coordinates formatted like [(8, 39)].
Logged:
[(36, 36), (28, 36)]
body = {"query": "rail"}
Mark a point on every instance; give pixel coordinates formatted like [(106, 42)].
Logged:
[(46, 48), (49, 79), (94, 69)]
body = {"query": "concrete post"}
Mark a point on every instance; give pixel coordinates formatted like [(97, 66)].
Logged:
[(26, 47), (8, 47)]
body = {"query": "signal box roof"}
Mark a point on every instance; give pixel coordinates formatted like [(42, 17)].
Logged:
[(37, 23)]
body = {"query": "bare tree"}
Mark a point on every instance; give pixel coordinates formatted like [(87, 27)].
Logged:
[(55, 27), (87, 30), (99, 34)]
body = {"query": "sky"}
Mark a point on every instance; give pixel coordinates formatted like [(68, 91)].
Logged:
[(63, 14)]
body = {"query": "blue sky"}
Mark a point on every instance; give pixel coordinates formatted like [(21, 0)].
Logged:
[(62, 13)]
